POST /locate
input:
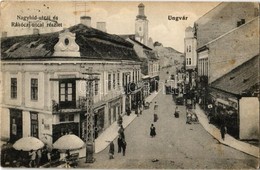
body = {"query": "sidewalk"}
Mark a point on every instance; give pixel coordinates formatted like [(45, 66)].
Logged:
[(111, 132), (229, 140)]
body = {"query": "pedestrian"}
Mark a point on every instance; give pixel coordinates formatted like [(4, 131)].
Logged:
[(39, 157), (121, 132), (111, 150), (32, 155), (155, 117), (96, 130), (152, 131), (223, 131), (119, 143), (141, 109), (67, 154), (188, 116), (49, 156), (124, 146)]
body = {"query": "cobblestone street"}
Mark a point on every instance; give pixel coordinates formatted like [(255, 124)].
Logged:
[(176, 145)]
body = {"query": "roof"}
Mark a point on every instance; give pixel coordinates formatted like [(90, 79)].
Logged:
[(93, 44), (241, 78), (125, 36)]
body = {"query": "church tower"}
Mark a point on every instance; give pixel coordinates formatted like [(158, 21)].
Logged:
[(141, 26)]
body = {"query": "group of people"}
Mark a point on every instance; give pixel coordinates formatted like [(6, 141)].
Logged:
[(38, 157), (120, 142)]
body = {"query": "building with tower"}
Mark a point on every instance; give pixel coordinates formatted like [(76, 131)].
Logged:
[(190, 46), (141, 26), (44, 87)]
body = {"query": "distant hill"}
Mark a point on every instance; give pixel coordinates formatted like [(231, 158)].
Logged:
[(168, 56)]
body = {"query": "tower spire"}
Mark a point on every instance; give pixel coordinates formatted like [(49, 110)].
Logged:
[(141, 14)]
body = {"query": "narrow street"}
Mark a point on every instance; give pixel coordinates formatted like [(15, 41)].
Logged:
[(176, 145)]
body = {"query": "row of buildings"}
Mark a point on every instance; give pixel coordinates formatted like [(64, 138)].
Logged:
[(222, 50), (44, 83)]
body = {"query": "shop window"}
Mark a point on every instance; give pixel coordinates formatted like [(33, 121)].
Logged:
[(13, 88), (34, 89), (34, 124)]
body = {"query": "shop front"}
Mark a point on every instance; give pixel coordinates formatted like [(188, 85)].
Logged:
[(16, 125), (114, 110), (99, 120)]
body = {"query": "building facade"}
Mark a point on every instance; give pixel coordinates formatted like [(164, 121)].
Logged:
[(44, 85), (190, 46), (227, 54)]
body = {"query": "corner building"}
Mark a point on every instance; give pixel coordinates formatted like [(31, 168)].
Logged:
[(44, 88)]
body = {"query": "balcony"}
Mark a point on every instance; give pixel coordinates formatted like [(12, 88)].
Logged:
[(79, 105)]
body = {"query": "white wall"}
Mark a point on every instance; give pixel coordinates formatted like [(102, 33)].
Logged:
[(249, 118), (5, 123), (26, 124)]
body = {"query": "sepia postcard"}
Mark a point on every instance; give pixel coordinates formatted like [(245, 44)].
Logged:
[(130, 85)]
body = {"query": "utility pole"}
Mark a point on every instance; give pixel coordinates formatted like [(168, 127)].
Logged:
[(90, 143)]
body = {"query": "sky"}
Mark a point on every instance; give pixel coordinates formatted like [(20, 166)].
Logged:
[(119, 17)]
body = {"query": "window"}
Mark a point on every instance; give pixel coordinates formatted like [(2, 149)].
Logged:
[(114, 81), (189, 61), (109, 81), (96, 87), (140, 28), (34, 89), (123, 79), (34, 124), (118, 80), (13, 88), (133, 76), (67, 94), (136, 80), (189, 48)]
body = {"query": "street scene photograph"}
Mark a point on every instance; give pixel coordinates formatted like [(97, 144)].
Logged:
[(130, 85)]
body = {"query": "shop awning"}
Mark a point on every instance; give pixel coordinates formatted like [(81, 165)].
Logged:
[(222, 101)]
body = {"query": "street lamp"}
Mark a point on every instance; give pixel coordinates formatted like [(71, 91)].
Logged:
[(90, 143)]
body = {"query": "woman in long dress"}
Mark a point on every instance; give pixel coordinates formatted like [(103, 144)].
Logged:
[(152, 131)]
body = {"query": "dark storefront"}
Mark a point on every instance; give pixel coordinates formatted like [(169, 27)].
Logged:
[(99, 121), (66, 126), (16, 125), (154, 84)]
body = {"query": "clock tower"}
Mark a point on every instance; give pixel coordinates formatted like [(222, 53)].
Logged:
[(141, 26)]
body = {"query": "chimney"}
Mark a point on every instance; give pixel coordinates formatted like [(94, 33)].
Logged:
[(36, 31), (85, 20), (101, 26), (4, 34)]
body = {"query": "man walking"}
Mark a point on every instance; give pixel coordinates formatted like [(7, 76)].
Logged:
[(124, 146), (119, 143)]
